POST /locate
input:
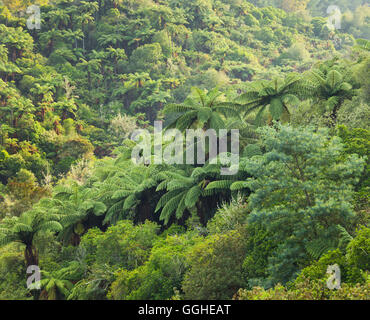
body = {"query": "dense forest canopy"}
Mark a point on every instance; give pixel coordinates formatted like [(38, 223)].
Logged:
[(100, 226)]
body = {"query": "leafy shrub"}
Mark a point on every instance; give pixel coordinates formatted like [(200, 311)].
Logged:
[(216, 267), (307, 290), (159, 277)]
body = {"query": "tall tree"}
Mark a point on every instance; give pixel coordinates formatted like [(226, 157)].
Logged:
[(331, 88), (25, 228), (201, 110), (302, 191), (275, 95)]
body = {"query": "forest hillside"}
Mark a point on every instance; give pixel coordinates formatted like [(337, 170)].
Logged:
[(99, 225)]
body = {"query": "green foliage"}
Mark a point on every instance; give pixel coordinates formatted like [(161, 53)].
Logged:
[(160, 275), (317, 271), (276, 95), (358, 250), (23, 230), (103, 227), (216, 267), (357, 141), (307, 290), (75, 205), (13, 271), (230, 216), (332, 87), (302, 189), (200, 111), (260, 245), (195, 190), (56, 285), (122, 245)]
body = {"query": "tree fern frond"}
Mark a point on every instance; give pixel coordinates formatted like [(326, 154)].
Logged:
[(192, 196), (221, 185), (170, 207)]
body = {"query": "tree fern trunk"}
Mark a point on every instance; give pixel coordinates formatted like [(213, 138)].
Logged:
[(31, 256)]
